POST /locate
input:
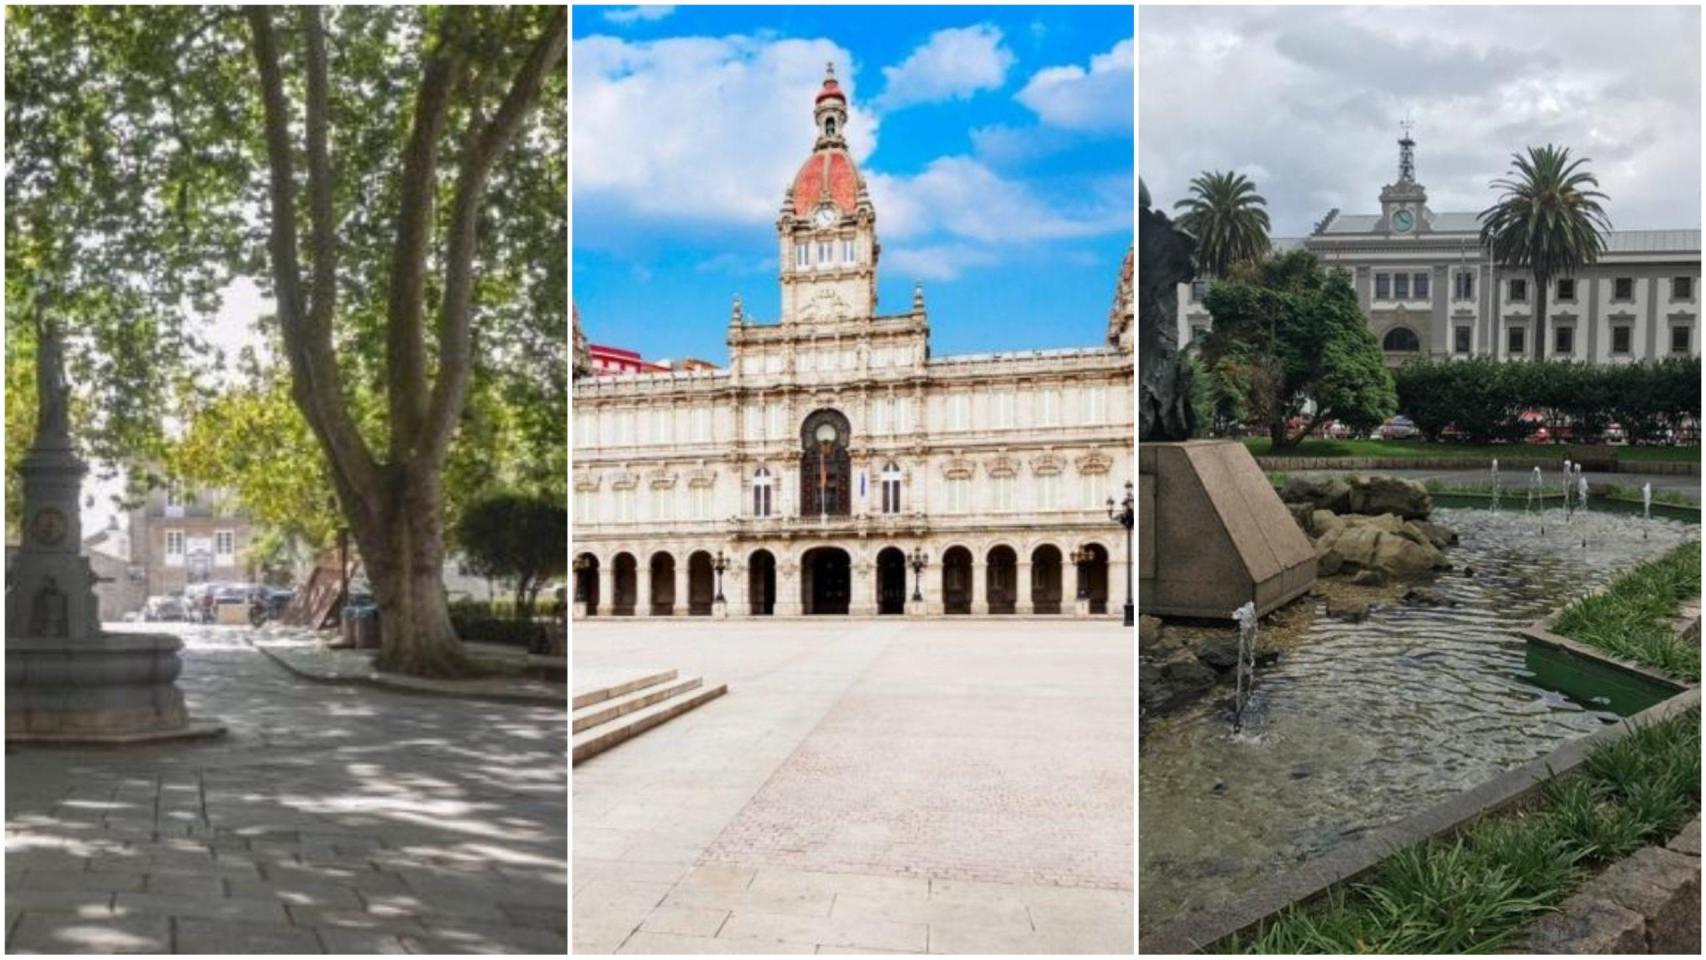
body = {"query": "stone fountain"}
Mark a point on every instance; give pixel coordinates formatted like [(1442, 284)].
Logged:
[(66, 680)]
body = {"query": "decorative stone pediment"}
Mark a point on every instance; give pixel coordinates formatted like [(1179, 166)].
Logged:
[(958, 468), (624, 480), (1095, 462), (1003, 466), (660, 479), (1047, 465), (587, 481), (701, 478)]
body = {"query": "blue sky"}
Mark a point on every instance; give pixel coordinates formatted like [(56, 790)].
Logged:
[(996, 141)]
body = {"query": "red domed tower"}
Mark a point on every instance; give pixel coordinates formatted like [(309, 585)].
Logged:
[(827, 228)]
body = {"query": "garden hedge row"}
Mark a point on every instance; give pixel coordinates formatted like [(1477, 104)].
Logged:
[(1483, 399)]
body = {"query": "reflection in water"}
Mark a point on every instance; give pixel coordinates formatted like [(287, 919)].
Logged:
[(1366, 723)]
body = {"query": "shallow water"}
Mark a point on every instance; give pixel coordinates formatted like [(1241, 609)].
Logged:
[(1366, 723)]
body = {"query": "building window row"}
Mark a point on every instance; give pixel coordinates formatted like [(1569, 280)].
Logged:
[(1401, 286)]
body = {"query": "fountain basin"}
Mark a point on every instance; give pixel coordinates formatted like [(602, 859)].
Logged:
[(1365, 724), (109, 688)]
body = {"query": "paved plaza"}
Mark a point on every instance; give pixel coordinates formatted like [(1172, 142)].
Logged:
[(958, 786), (330, 819)]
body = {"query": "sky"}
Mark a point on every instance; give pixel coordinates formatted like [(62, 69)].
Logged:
[(996, 143), (1307, 102)]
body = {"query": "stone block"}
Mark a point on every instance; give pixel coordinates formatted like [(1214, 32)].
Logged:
[(1688, 840), (687, 921), (849, 932), (1664, 887), (1586, 924), (1218, 534)]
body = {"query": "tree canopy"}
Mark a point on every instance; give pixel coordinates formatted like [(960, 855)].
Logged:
[(1288, 336), (1226, 218)]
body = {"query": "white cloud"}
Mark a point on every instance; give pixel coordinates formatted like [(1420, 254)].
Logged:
[(937, 262), (626, 15), (712, 131), (1096, 100), (1257, 89), (699, 127), (961, 196), (953, 64)]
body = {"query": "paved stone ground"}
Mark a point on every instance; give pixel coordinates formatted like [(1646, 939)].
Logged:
[(305, 651), (329, 819), (892, 786)]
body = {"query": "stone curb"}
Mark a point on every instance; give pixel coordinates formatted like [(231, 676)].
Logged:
[(1204, 927), (1658, 467), (1540, 631), (398, 685)]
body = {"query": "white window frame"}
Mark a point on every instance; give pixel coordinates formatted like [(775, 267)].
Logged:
[(891, 488), (174, 558), (802, 256), (224, 546), (763, 493)]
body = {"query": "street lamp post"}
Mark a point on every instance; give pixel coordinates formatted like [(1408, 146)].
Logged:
[(719, 566), (919, 560), (1081, 560), (1126, 517), (580, 566)]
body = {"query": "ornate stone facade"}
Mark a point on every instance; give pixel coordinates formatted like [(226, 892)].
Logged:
[(834, 450)]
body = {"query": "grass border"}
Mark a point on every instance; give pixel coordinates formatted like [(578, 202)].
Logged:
[(1631, 618)]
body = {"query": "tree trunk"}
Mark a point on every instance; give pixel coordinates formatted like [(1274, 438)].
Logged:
[(403, 551)]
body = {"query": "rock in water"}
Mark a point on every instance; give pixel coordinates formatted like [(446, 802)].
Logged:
[(1380, 494)]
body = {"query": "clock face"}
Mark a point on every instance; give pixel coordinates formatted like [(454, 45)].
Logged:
[(825, 433), (1403, 220), (48, 527), (825, 217)]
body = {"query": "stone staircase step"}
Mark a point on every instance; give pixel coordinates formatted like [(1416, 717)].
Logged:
[(594, 714), (600, 694), (595, 740)]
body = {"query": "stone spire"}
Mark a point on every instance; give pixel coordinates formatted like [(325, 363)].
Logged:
[(737, 314), (1406, 155), (917, 296)]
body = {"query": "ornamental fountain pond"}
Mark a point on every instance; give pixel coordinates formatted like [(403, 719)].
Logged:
[(1360, 722)]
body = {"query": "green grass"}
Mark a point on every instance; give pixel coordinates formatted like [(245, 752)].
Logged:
[(1477, 891), (1630, 618), (1262, 447)]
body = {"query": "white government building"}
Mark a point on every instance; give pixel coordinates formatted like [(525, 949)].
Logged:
[(835, 451), (1429, 289)]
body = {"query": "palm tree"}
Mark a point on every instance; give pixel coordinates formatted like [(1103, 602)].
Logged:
[(1545, 222), (1227, 220)]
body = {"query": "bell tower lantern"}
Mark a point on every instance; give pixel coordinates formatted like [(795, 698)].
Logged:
[(1404, 204)]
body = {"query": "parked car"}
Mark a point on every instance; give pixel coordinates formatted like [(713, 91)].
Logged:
[(165, 607), (1399, 428)]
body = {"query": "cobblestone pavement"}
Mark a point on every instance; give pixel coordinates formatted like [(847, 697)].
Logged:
[(329, 819), (940, 786)]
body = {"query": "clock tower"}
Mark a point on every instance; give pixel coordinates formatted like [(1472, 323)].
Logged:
[(826, 233), (1404, 205)]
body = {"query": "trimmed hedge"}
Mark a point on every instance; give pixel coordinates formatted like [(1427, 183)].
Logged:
[(1483, 399), (527, 634)]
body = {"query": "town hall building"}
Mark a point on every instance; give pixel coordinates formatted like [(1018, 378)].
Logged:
[(836, 466), (1429, 289)]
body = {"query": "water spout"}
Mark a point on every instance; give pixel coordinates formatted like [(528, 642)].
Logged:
[(1495, 472), (1646, 507), (1246, 669)]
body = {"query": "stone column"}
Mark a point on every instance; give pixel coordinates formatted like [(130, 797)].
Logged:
[(682, 601), (979, 587), (1023, 603), (738, 598), (606, 589), (643, 588), (1116, 582), (863, 601), (788, 589), (935, 586)]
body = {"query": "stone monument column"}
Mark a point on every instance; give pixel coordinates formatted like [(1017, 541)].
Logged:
[(67, 681), (936, 585), (862, 601)]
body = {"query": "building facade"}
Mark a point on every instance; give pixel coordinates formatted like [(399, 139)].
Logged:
[(180, 537), (837, 467), (1429, 289)]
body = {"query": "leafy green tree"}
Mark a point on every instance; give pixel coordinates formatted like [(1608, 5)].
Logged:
[(1225, 216), (395, 173), (1545, 222), (1289, 336), (517, 537)]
